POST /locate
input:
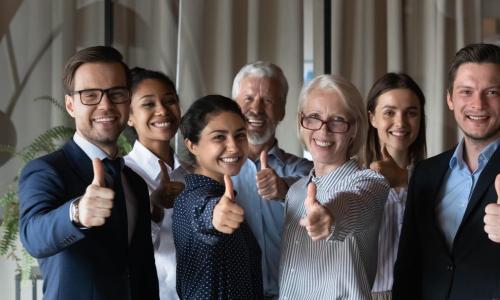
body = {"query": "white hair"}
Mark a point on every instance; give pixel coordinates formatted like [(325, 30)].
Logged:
[(262, 69)]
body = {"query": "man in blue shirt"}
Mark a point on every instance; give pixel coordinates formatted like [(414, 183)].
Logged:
[(261, 89), (449, 242)]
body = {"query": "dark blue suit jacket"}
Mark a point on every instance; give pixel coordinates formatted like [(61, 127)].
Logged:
[(82, 263), (426, 268)]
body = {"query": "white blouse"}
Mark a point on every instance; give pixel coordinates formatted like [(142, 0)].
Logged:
[(145, 163)]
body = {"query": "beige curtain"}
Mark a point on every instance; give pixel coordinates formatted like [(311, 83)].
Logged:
[(202, 44), (418, 37), (36, 38), (218, 37)]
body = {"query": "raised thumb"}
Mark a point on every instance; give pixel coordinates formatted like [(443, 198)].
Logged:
[(263, 160), (98, 168), (311, 196), (164, 172), (229, 192)]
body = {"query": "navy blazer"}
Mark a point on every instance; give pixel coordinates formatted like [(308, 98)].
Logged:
[(82, 263), (426, 268)]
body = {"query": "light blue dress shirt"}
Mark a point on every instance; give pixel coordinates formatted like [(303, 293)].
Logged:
[(457, 189), (90, 149), (265, 217)]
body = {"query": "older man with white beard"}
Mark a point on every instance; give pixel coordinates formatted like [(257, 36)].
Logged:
[(261, 89)]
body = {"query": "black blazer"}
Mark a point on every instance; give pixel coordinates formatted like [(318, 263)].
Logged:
[(82, 263), (425, 267)]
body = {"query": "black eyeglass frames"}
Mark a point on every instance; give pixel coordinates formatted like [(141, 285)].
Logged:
[(116, 95)]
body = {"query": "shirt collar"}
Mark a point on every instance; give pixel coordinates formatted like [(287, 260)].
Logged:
[(346, 168), (457, 159), (277, 153), (90, 149), (149, 161)]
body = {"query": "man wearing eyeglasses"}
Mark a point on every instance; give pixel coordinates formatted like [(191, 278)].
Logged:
[(83, 214), (260, 89)]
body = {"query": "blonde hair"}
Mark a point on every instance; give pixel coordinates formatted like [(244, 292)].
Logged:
[(350, 97)]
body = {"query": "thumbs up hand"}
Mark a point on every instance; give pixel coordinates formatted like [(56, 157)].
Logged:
[(397, 177), (227, 215), (164, 196), (318, 219), (96, 204), (269, 185), (492, 217)]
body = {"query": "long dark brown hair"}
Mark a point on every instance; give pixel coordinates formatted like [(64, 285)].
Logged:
[(392, 81)]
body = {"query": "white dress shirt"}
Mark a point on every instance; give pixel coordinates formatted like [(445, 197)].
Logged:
[(145, 163), (388, 239)]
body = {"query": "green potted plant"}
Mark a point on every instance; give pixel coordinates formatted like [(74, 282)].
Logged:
[(47, 142)]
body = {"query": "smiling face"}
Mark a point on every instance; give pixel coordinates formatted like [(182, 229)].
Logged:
[(154, 112), (475, 102), (328, 150), (100, 124), (222, 147), (260, 101), (397, 119)]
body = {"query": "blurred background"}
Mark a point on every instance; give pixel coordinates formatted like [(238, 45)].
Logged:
[(201, 44)]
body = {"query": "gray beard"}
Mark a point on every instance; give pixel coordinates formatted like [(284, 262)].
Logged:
[(259, 139)]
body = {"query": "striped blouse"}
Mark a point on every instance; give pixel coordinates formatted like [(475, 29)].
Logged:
[(342, 266)]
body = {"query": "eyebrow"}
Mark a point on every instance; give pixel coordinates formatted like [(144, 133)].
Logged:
[(463, 86), (394, 107), (151, 95), (317, 114), (226, 131), (218, 131)]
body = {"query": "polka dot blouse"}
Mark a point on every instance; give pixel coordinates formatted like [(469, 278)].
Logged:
[(211, 264)]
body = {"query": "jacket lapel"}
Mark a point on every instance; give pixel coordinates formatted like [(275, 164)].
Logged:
[(78, 161), (440, 172)]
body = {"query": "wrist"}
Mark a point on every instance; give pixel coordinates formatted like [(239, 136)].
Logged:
[(282, 189), (157, 213), (75, 212)]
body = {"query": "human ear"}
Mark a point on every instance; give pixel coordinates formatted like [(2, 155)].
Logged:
[(192, 147), (371, 118), (68, 103), (449, 101), (130, 121)]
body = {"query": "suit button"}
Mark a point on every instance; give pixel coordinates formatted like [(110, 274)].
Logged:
[(449, 268)]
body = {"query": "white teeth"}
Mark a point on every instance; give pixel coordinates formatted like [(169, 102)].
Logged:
[(399, 133), (230, 159), (256, 123), (104, 119), (323, 143), (477, 117), (161, 125)]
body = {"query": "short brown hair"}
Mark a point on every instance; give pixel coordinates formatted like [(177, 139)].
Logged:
[(96, 54), (473, 53)]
